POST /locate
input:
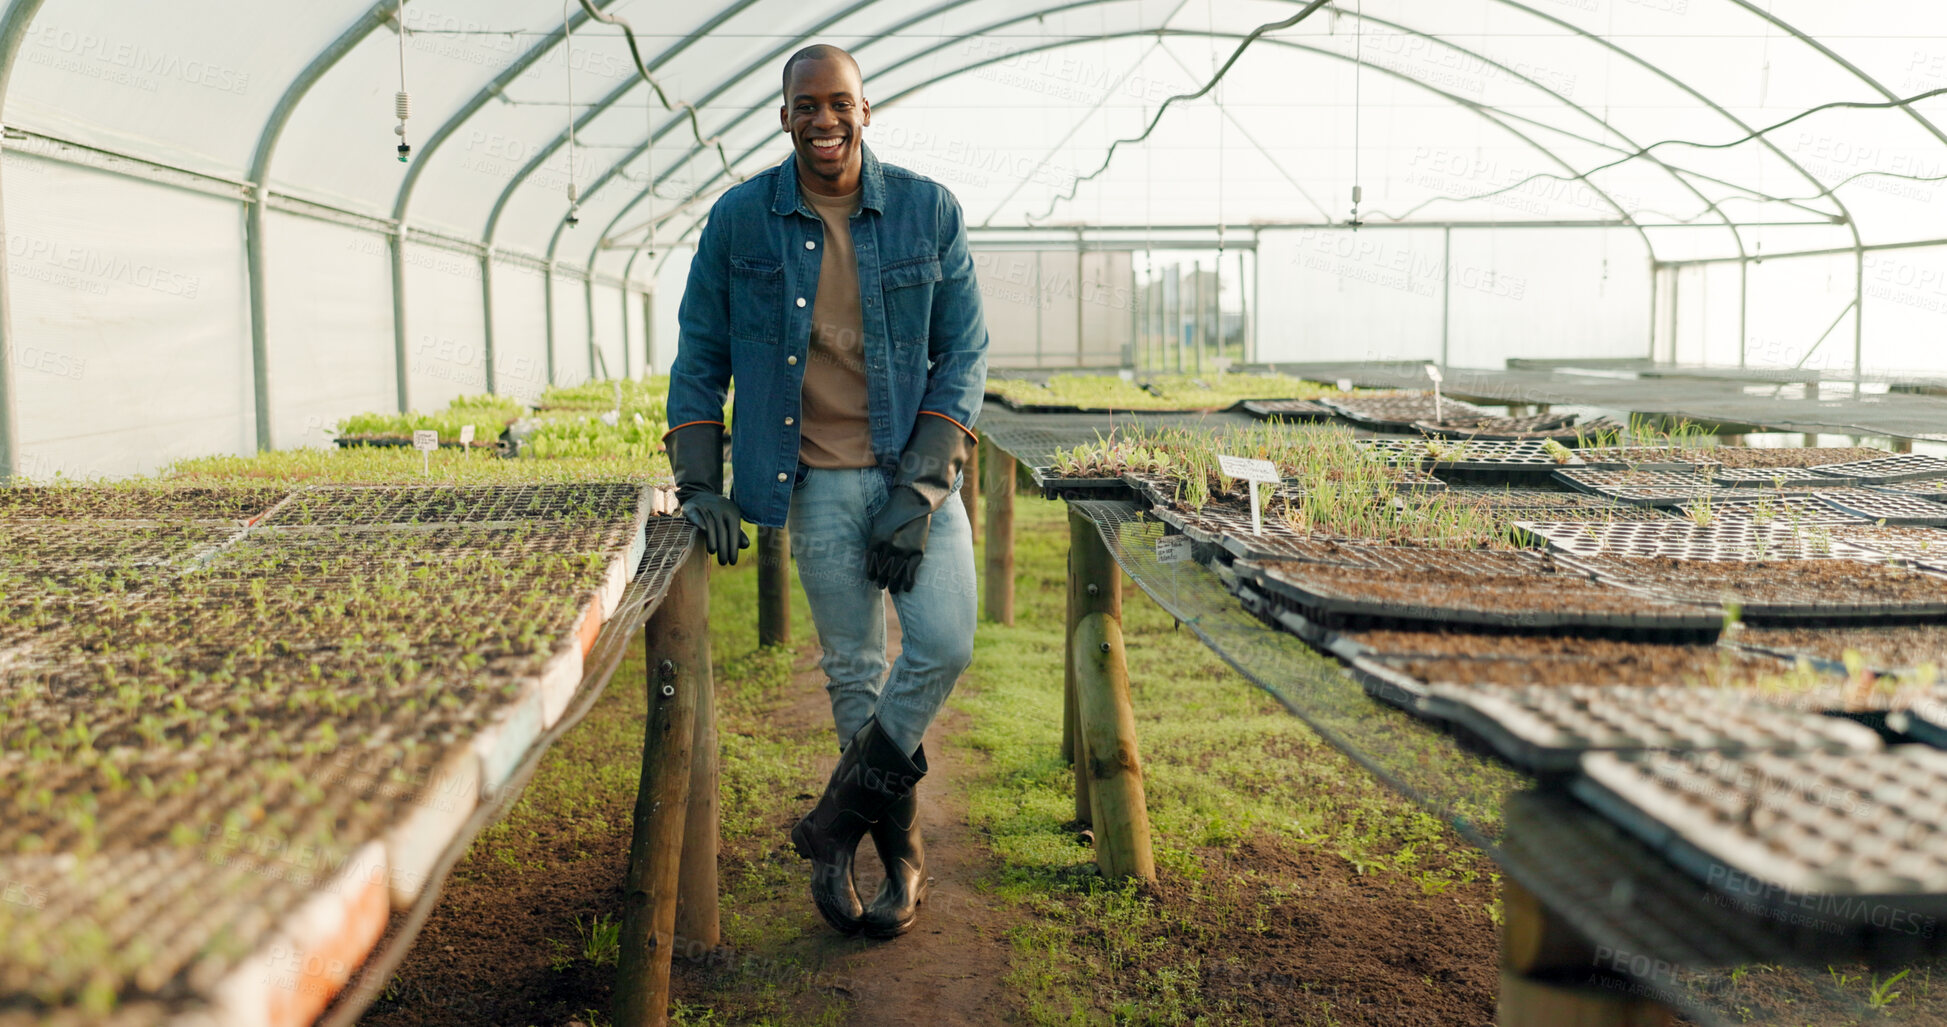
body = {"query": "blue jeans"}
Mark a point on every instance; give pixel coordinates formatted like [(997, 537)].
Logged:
[(831, 516)]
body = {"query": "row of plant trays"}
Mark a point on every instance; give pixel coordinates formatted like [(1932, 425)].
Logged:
[(236, 865)]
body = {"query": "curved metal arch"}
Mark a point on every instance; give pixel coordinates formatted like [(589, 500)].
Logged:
[(13, 30), (253, 225), (1834, 57), (1477, 108)]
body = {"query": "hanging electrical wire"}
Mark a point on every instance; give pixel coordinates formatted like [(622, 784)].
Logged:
[(568, 69), (402, 100), (688, 108), (1358, 76), (1245, 44), (1747, 137)]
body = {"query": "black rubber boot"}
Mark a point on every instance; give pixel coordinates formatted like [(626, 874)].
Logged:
[(872, 775), (896, 836)]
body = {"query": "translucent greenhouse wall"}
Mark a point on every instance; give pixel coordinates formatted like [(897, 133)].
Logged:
[(206, 213)]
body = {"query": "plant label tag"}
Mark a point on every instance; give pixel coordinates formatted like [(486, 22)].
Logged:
[(1223, 366), (1174, 548), (1248, 468), (466, 435), (1126, 375), (1345, 385), (425, 441), (639, 422), (1433, 372), (612, 418)]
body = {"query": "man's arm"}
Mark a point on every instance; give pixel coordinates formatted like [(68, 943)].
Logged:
[(700, 374), (957, 336)]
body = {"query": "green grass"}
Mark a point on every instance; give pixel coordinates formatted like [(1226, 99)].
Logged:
[(1222, 763)]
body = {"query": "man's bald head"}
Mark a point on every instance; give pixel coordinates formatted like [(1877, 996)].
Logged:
[(817, 52)]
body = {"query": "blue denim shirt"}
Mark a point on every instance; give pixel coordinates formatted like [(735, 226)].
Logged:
[(746, 314)]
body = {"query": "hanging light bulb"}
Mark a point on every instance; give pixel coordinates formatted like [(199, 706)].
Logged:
[(574, 205)]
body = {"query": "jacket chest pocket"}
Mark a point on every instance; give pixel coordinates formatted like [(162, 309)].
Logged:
[(908, 287), (756, 299)]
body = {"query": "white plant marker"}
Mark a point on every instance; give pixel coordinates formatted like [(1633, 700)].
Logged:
[(1433, 372), (1172, 550), (1251, 471), (466, 435), (425, 442), (1345, 385)]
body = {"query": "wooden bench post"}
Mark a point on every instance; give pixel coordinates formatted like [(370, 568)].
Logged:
[(1108, 762), (677, 645), (1541, 959), (997, 470)]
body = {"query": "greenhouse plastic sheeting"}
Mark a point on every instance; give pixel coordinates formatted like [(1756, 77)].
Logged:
[(1475, 115)]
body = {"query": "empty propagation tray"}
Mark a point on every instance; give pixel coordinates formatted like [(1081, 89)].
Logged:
[(1722, 539), (1903, 467), (1498, 591), (1546, 729), (1925, 488), (1843, 845), (1767, 477), (1890, 507)]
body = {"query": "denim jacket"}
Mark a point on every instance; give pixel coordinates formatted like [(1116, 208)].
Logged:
[(746, 314)]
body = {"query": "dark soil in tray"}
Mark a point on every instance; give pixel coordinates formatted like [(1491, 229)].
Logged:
[(1837, 587), (1528, 586), (1892, 647), (1463, 659), (466, 503)]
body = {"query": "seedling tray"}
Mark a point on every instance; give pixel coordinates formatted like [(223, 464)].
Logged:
[(1651, 488), (1387, 684), (1546, 504), (1286, 409), (1925, 488), (1649, 458), (1922, 547), (1904, 467), (1497, 591), (1811, 591), (1484, 462), (1849, 841), (1399, 410), (391, 504), (165, 505), (1889, 507), (1769, 507), (1229, 529), (1724, 539), (1054, 486), (1887, 649), (1767, 477), (1546, 730), (1537, 428), (1466, 659)]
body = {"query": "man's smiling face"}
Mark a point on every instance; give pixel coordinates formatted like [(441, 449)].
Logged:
[(825, 112)]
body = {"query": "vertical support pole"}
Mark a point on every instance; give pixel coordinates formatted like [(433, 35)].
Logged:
[(1198, 327), (1081, 286), (1902, 444), (997, 470), (1135, 317), (1176, 317), (699, 928), (1535, 942), (1743, 306), (648, 333), (1246, 329), (401, 377), (487, 314), (1858, 318), (1676, 314), (970, 489), (1446, 292), (1257, 291), (1656, 273), (677, 644), (773, 586), (1040, 299), (588, 311), (547, 306), (628, 356), (1108, 762)]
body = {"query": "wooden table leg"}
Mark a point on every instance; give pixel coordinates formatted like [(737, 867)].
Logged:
[(998, 584), (1552, 977), (1108, 762), (677, 645)]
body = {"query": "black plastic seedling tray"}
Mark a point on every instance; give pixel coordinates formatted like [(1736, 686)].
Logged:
[(1286, 409), (1846, 844), (1545, 729), (1514, 592), (1924, 720), (1399, 411), (1649, 488), (1541, 427), (1723, 539), (1472, 461), (1889, 507), (1767, 477), (1769, 506), (1770, 592), (1053, 486), (1903, 467), (1925, 488), (1608, 458), (1392, 687)]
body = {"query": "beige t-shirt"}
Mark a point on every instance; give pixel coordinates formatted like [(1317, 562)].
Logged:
[(834, 413)]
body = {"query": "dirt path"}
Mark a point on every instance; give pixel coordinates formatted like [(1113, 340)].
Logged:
[(949, 968)]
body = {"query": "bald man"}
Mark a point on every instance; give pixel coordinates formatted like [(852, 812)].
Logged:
[(839, 294)]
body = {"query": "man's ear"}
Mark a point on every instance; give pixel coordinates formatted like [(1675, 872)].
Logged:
[(784, 117), (865, 112)]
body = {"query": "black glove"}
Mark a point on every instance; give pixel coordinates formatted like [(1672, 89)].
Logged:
[(696, 458), (935, 453)]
